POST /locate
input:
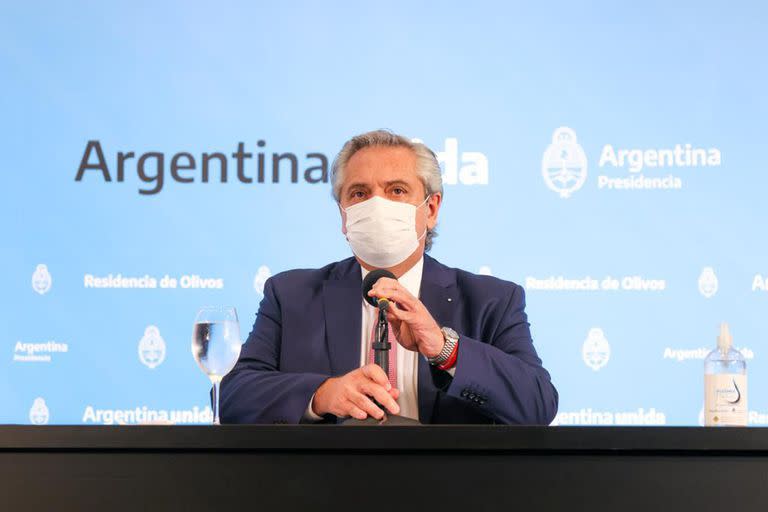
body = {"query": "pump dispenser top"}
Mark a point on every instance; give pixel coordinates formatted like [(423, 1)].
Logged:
[(724, 341)]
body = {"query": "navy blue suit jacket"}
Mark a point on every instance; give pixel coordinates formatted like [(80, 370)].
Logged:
[(308, 329)]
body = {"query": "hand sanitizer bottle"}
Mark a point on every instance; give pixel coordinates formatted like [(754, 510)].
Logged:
[(725, 384)]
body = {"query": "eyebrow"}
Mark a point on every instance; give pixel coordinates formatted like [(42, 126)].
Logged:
[(397, 182), (387, 183), (357, 185)]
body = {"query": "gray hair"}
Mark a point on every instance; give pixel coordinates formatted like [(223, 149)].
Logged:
[(427, 168)]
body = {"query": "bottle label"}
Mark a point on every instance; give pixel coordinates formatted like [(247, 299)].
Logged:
[(725, 400)]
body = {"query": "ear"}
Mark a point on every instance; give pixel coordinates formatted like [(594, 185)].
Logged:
[(433, 207)]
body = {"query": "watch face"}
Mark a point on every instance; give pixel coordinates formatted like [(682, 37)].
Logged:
[(450, 332)]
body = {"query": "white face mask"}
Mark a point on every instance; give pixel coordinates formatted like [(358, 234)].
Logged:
[(381, 232)]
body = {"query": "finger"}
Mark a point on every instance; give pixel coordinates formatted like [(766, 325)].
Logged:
[(367, 405), (355, 412), (398, 314), (395, 311), (385, 282), (383, 287), (377, 375), (402, 298), (394, 393), (382, 396), (390, 289)]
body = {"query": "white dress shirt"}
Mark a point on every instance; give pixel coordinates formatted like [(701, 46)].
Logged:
[(407, 360)]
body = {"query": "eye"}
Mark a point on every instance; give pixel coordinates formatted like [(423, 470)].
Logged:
[(357, 194), (398, 191)]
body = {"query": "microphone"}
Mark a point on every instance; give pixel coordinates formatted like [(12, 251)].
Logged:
[(381, 346), (373, 276), (380, 342)]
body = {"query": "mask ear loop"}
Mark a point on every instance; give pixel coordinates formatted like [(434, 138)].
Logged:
[(426, 228), (338, 203)]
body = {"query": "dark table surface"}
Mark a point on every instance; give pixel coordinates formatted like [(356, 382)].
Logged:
[(327, 467), (424, 438)]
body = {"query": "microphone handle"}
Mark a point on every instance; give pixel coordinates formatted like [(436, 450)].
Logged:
[(381, 355)]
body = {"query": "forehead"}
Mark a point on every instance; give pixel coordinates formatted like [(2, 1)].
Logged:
[(381, 164)]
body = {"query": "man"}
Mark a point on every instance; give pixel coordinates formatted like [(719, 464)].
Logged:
[(461, 344)]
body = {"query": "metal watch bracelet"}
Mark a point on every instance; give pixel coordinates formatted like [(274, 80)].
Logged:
[(451, 339)]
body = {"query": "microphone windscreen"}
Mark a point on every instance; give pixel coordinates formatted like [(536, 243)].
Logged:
[(370, 280)]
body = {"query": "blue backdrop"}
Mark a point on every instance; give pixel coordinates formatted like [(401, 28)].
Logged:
[(608, 157)]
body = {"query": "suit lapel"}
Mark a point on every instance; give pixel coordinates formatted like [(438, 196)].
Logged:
[(437, 287), (342, 304)]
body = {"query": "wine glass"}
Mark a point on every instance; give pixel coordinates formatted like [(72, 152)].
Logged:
[(216, 346)]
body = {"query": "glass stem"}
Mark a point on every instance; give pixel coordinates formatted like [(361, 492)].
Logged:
[(216, 384)]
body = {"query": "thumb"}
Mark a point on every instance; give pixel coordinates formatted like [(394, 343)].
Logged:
[(394, 314)]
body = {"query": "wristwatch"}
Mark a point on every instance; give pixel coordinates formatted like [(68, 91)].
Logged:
[(451, 340)]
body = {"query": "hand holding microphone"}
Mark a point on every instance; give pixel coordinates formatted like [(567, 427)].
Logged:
[(350, 394), (414, 327)]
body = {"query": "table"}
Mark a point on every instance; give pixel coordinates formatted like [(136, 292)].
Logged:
[(303, 467)]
